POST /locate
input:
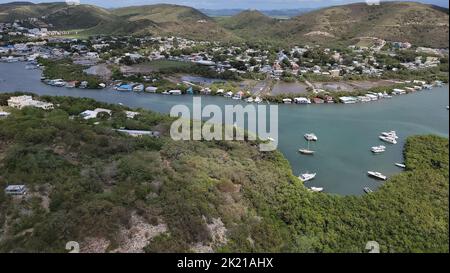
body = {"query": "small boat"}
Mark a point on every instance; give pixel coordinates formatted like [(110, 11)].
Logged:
[(378, 149), (307, 176), (400, 165), (311, 137), (270, 139), (388, 139), (250, 100), (377, 175), (391, 134), (258, 100), (368, 190), (306, 151), (138, 88), (315, 189)]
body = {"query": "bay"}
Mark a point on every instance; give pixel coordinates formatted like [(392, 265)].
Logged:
[(345, 132)]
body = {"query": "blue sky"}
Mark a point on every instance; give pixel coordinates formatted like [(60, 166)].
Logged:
[(232, 4)]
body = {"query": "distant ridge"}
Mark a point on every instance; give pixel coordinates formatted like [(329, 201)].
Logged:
[(420, 24)]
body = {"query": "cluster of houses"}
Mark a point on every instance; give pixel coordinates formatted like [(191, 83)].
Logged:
[(411, 86), (238, 59), (17, 28)]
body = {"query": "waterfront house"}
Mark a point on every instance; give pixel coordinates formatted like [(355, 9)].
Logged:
[(151, 89), (329, 99), (302, 100), (363, 99), (372, 97), (20, 102), (348, 100), (175, 92), (71, 84), (83, 84), (397, 91), (318, 100)]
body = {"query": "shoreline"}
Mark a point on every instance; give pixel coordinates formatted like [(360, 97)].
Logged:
[(318, 96)]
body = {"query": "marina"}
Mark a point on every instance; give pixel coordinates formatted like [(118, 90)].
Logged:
[(346, 131)]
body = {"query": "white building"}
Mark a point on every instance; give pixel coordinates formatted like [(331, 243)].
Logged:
[(131, 114), (24, 101), (90, 114)]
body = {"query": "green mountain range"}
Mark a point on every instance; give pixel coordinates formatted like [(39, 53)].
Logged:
[(420, 24)]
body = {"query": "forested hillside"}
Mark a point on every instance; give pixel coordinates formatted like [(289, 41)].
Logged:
[(112, 192)]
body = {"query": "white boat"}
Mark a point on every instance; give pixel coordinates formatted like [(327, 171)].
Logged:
[(307, 176), (138, 88), (311, 137), (306, 151), (315, 189), (378, 149), (400, 165), (59, 83), (377, 175), (391, 134), (271, 139), (249, 100), (258, 100), (368, 190), (388, 139)]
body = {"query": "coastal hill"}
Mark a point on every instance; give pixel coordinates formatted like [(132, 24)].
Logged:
[(60, 16), (176, 20), (249, 24), (152, 19), (419, 24)]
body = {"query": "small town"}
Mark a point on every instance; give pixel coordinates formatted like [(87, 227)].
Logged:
[(368, 71)]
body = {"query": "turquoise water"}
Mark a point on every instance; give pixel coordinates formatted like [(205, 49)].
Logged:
[(346, 132)]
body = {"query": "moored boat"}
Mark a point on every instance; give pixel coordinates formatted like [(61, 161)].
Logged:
[(311, 137), (306, 151), (307, 176), (400, 165), (378, 149), (377, 175), (388, 139), (392, 134), (316, 189)]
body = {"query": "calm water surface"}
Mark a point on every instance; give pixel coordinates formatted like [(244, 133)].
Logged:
[(346, 132)]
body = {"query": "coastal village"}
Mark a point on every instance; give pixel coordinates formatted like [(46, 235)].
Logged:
[(370, 70)]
